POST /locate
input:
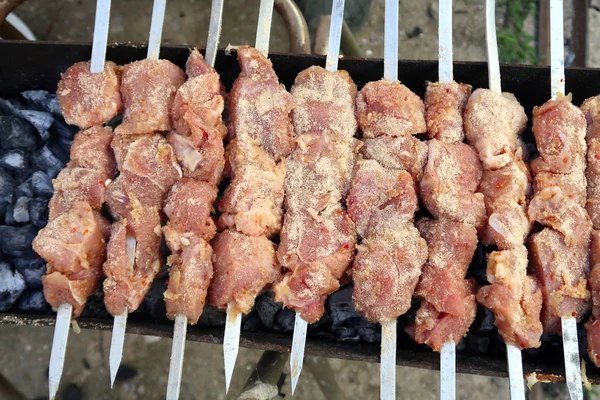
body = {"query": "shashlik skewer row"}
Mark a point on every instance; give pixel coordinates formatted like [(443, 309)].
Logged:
[(198, 144), (261, 136), (148, 168), (74, 242)]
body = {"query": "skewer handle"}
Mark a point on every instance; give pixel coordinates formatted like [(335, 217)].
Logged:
[(557, 49), (571, 356), (445, 41), (101, 25), (116, 344), (335, 35), (156, 27), (492, 46), (214, 31), (59, 347), (515, 372), (448, 371), (263, 29), (298, 344), (390, 51), (177, 351), (388, 361), (231, 342)]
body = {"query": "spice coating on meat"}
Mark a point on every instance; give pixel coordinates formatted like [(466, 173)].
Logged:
[(444, 106), (389, 108), (87, 99), (148, 88), (74, 245), (405, 152)]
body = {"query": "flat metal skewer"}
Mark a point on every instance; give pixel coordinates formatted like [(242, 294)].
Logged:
[(557, 83), (65, 310), (116, 344), (233, 322), (181, 321), (513, 353), (448, 353), (331, 64), (387, 372)]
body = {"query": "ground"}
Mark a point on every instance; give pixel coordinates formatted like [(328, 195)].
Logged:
[(25, 351)]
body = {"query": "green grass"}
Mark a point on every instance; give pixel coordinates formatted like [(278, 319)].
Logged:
[(515, 45)]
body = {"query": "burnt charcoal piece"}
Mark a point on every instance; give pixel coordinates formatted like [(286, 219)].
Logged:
[(155, 302), (14, 160), (485, 319), (94, 307), (62, 129), (42, 100), (346, 334), (44, 160), (16, 241), (477, 344), (267, 309), (33, 302), (251, 322), (61, 148), (212, 317), (41, 120), (38, 211), (12, 285), (478, 266), (369, 332), (7, 187), (17, 133), (9, 219), (284, 320), (125, 373), (461, 345), (340, 308), (41, 184), (24, 189), (20, 211), (32, 270)]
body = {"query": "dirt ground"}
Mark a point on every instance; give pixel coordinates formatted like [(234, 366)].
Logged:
[(24, 351)]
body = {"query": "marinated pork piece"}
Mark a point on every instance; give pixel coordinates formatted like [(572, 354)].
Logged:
[(91, 149), (74, 245), (405, 152), (444, 106), (243, 267), (452, 175), (77, 184), (260, 107), (493, 123), (148, 88), (318, 237), (389, 108), (88, 99)]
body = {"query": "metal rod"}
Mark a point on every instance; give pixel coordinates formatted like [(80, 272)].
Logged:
[(177, 352), (448, 371), (263, 29), (59, 347), (515, 372), (571, 355), (100, 36), (557, 49), (116, 344), (492, 47), (156, 27), (445, 41), (335, 35), (387, 374), (214, 31), (231, 342), (298, 344), (390, 51)]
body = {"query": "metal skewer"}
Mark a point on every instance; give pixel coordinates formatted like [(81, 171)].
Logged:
[(387, 373), (65, 310), (448, 353), (513, 353), (331, 64), (181, 321), (557, 84), (120, 321), (233, 322)]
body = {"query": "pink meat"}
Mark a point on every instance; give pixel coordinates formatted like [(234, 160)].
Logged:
[(405, 152), (88, 99), (389, 108), (148, 88), (77, 184), (91, 149), (74, 245), (444, 105), (243, 267)]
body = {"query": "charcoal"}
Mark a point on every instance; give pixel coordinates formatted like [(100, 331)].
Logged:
[(62, 129), (212, 317), (125, 373), (40, 120), (251, 322), (154, 300), (284, 320), (24, 189), (38, 211), (12, 285), (17, 133), (369, 332), (20, 210), (477, 344), (32, 270), (9, 213), (33, 302), (7, 186), (461, 345), (477, 269), (14, 160), (16, 241), (42, 100), (61, 148), (94, 306), (485, 319), (339, 306), (347, 334), (8, 107), (266, 308), (323, 324), (44, 160), (41, 184)]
